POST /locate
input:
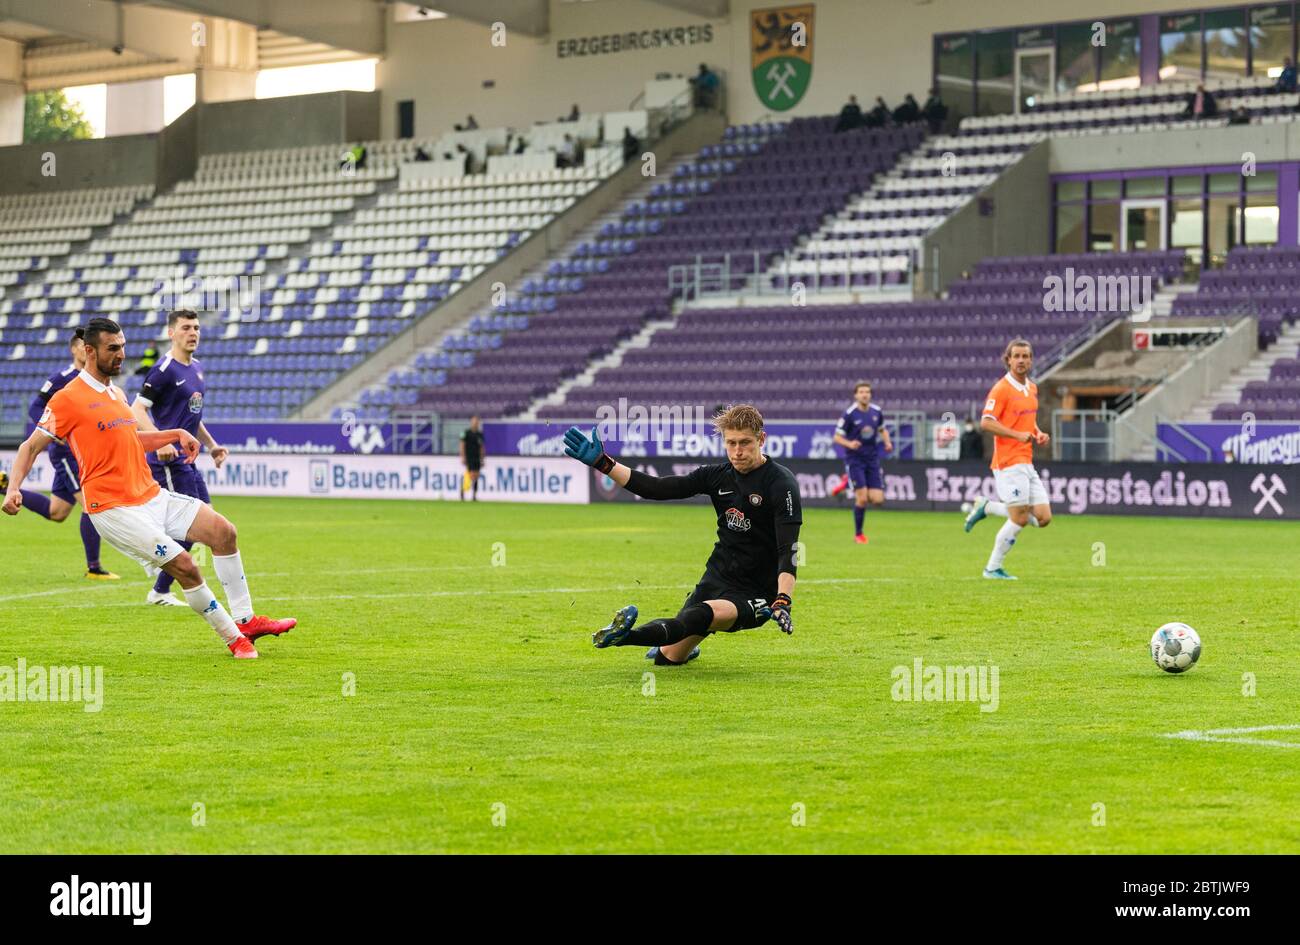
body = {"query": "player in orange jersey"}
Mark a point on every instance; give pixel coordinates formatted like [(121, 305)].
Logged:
[(1011, 415), (137, 516)]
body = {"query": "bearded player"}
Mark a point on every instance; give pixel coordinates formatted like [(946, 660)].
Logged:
[(751, 573), (65, 490), (1010, 414), (129, 509)]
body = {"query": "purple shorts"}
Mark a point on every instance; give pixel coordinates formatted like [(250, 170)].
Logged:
[(865, 473)]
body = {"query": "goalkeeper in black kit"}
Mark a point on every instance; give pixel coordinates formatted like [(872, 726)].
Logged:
[(750, 574)]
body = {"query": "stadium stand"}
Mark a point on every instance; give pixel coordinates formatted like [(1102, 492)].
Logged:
[(38, 311), (929, 356), (756, 191), (322, 265)]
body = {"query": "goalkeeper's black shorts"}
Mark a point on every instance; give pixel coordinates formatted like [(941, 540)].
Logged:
[(747, 601)]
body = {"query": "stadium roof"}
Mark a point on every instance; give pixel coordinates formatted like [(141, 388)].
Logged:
[(80, 42)]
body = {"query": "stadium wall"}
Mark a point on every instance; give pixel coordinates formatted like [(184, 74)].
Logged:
[(171, 155), (863, 47), (1198, 377), (1010, 217), (299, 121), (72, 165)]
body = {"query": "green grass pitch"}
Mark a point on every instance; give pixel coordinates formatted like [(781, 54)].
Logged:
[(484, 721)]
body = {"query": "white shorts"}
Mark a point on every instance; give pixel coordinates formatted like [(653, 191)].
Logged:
[(149, 533), (1020, 485)]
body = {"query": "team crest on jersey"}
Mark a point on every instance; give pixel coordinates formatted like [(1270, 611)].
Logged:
[(755, 500), (196, 402), (867, 431), (736, 520)]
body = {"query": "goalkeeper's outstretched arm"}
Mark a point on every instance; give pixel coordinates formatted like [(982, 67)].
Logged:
[(589, 450)]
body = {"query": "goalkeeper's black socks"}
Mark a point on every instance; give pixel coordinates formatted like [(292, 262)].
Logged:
[(692, 621)]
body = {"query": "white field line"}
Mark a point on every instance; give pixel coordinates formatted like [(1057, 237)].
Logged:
[(478, 592), (1218, 735)]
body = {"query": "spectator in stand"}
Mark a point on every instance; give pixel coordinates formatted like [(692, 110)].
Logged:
[(469, 157), (1201, 104), (520, 145), (706, 84), (573, 113), (421, 154), (908, 112), (878, 117), (1286, 81), (567, 155), (1239, 116), (631, 145), (471, 124), (850, 115), (355, 156), (972, 442), (934, 111)]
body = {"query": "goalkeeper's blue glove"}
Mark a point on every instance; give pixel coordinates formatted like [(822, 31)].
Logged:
[(589, 451), (780, 612)]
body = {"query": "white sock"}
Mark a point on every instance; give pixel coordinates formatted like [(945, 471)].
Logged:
[(1002, 544), (205, 605), (230, 571), (996, 508)]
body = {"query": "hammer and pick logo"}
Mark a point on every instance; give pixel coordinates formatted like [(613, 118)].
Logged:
[(781, 54)]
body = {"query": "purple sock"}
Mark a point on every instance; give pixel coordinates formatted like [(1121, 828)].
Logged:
[(164, 583), (859, 515), (90, 538), (37, 502)]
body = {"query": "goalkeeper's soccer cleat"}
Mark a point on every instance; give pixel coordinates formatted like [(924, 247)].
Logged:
[(976, 514), (618, 628), (242, 649), (661, 660), (999, 575), (260, 626), (99, 574), (4, 481)]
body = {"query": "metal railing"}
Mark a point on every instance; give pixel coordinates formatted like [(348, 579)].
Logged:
[(416, 432), (755, 273), (1086, 436), (1166, 453)]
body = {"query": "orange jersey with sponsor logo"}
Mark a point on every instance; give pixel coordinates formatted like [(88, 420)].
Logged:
[(1016, 407), (100, 429)]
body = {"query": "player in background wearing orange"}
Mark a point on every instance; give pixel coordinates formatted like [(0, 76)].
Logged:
[(130, 510), (1011, 415)]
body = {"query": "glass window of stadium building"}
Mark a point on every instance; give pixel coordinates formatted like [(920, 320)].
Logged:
[(1206, 210)]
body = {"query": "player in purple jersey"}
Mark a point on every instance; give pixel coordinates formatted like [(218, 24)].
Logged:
[(861, 431), (65, 493), (172, 399)]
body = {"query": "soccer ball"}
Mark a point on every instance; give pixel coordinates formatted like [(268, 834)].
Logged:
[(966, 507), (1175, 647)]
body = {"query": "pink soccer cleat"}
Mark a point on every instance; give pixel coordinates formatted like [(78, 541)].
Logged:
[(261, 626), (242, 649)]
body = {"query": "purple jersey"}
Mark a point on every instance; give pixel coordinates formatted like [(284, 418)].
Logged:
[(173, 393), (52, 386), (862, 425)]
